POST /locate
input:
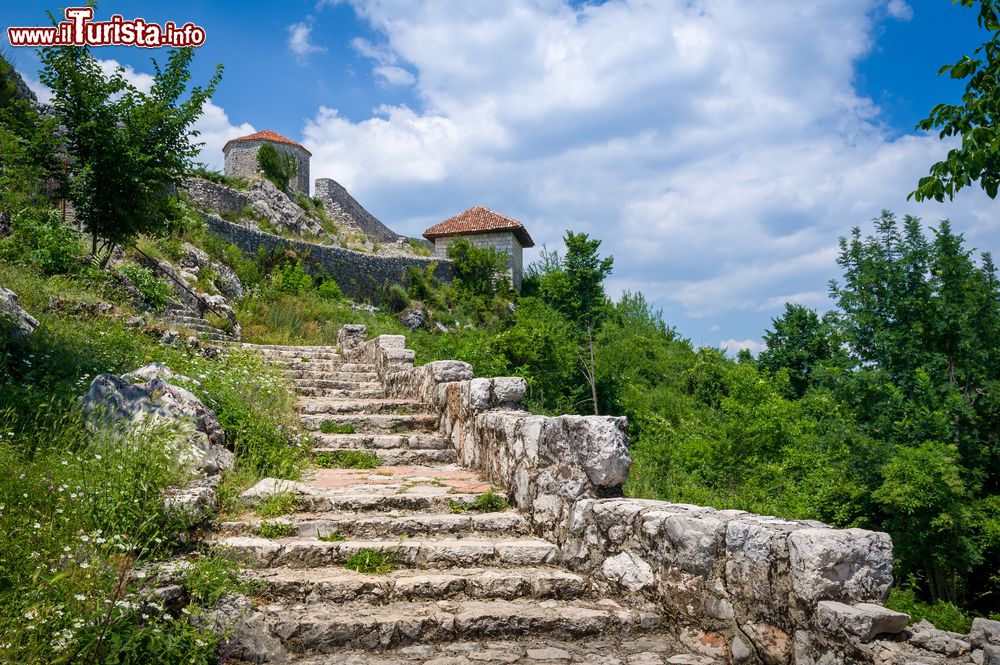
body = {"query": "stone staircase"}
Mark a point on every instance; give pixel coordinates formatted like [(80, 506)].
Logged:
[(184, 318), (467, 586)]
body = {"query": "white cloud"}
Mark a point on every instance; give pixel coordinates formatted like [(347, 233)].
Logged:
[(299, 40), (900, 10), (394, 75), (734, 346), (141, 80)]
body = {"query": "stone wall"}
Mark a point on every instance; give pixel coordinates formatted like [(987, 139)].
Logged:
[(505, 241), (745, 588), (346, 211), (241, 162), (213, 196), (361, 276)]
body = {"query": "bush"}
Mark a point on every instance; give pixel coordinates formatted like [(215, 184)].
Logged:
[(154, 293), (39, 238), (943, 615), (291, 279), (330, 290), (277, 166), (397, 300)]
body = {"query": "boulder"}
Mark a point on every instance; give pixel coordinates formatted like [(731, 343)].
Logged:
[(111, 400), (274, 205), (985, 632), (413, 319), (628, 570), (10, 309)]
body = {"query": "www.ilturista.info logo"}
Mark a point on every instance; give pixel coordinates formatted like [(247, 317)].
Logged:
[(79, 29)]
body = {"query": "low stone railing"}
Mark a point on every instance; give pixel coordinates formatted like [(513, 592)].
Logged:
[(735, 585)]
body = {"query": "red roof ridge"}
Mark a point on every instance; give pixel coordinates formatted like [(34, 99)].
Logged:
[(479, 219), (266, 135)]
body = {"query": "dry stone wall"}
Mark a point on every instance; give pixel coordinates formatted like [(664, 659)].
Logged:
[(743, 587), (345, 210), (360, 276)]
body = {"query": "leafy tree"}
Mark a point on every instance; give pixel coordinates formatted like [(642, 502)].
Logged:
[(277, 166), (574, 285), (481, 275), (801, 342), (975, 119), (128, 149)]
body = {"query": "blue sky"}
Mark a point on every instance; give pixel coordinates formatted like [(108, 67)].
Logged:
[(719, 148)]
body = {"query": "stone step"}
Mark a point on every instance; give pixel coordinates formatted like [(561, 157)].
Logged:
[(339, 585), (350, 525), (364, 406), (328, 628), (335, 375), (300, 552), (373, 503), (341, 393), (378, 423), (652, 648), (301, 384), (390, 457), (291, 355), (290, 348), (379, 442), (185, 318)]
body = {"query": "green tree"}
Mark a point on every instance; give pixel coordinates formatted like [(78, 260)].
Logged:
[(481, 274), (801, 342), (974, 120), (128, 149), (277, 166), (574, 285)]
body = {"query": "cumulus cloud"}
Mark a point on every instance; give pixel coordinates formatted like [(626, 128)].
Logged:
[(734, 346), (300, 40), (900, 10), (718, 147)]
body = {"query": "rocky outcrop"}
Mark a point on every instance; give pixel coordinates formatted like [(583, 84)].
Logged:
[(21, 323), (193, 261), (149, 397)]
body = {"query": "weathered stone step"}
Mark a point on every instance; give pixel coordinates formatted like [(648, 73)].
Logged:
[(301, 354), (328, 628), (299, 552), (642, 649), (366, 406), (506, 523), (335, 374), (403, 457), (377, 502), (340, 393), (376, 423), (301, 384), (338, 585), (379, 442), (290, 348)]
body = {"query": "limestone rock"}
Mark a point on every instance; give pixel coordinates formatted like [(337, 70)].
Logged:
[(628, 570), (601, 447), (444, 371), (414, 318), (840, 564), (944, 642), (351, 337), (274, 205), (864, 619), (23, 323), (226, 281), (985, 632)]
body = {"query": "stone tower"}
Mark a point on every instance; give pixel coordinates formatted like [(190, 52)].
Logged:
[(241, 157)]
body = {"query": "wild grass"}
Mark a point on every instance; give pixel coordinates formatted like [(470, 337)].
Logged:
[(332, 537), (275, 529), (275, 505), (487, 502), (346, 459), (333, 427), (372, 561)]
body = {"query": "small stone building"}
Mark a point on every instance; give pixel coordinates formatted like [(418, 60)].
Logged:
[(484, 228), (241, 157)]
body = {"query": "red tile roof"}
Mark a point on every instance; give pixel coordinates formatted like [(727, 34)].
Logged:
[(265, 135), (479, 219)]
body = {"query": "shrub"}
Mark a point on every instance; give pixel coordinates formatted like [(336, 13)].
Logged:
[(346, 459), (397, 299), (209, 577), (277, 166), (373, 561), (154, 293), (275, 529), (419, 248), (275, 505), (330, 290), (943, 615), (487, 502), (291, 279), (40, 238), (219, 178)]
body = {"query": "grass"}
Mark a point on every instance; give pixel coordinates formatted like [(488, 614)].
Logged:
[(373, 561), (333, 427), (332, 537), (275, 529), (487, 502), (275, 505), (346, 459)]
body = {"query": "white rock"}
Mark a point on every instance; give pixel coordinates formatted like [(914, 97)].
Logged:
[(628, 570), (865, 620), (23, 323), (840, 564)]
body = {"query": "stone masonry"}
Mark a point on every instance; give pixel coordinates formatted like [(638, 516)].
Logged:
[(241, 157), (347, 212), (576, 574)]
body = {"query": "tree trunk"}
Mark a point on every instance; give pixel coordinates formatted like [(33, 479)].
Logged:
[(592, 373)]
